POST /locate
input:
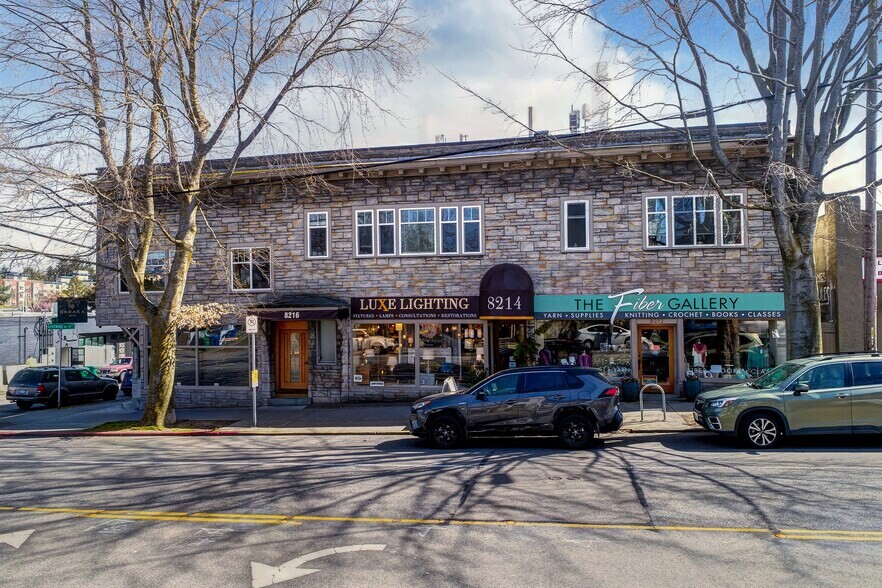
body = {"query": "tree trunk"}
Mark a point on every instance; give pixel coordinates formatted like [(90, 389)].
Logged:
[(802, 307), (159, 410)]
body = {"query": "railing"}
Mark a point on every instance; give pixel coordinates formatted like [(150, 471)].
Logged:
[(664, 403)]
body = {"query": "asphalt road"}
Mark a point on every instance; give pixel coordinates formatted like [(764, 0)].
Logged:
[(664, 510)]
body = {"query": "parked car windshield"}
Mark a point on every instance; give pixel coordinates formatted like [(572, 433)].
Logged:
[(120, 361), (779, 374), (26, 378)]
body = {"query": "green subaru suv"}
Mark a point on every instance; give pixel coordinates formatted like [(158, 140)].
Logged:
[(822, 394)]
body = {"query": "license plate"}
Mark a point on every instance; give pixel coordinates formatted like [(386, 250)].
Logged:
[(413, 423), (697, 416)]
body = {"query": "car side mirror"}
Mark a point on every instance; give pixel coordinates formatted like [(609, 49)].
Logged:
[(799, 389), (481, 395)]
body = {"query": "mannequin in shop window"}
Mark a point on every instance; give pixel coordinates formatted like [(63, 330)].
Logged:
[(699, 353)]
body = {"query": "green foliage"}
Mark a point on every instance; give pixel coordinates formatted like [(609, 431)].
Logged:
[(5, 294), (525, 351)]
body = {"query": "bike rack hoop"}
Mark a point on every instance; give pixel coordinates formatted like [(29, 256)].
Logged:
[(664, 402)]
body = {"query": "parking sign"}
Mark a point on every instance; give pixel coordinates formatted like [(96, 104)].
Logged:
[(250, 325)]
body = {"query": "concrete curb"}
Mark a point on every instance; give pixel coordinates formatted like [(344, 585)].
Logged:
[(257, 432)]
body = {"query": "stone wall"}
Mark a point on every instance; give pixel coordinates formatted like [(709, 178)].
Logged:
[(522, 224)]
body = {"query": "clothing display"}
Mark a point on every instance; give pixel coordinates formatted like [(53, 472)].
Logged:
[(757, 358), (699, 354)]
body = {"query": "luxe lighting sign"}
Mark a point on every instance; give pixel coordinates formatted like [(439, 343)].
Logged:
[(417, 307), (637, 304)]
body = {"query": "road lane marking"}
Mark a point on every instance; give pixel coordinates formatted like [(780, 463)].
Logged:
[(15, 540), (281, 519), (263, 575)]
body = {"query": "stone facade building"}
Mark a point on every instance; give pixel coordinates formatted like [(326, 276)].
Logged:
[(423, 262)]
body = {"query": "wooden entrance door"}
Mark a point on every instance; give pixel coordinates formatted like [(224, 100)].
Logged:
[(292, 376), (656, 356)]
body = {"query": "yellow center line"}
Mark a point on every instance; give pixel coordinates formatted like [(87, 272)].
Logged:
[(280, 519)]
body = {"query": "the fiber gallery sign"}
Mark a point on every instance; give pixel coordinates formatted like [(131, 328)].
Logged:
[(640, 305)]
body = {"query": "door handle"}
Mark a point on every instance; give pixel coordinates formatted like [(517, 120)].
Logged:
[(558, 397), (843, 395), (510, 402)]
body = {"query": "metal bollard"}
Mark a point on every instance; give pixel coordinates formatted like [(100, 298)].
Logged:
[(664, 403)]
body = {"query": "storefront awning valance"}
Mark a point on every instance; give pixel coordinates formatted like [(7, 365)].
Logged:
[(302, 307), (506, 293)]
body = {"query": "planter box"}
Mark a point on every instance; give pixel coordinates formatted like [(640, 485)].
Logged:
[(691, 389), (630, 391)]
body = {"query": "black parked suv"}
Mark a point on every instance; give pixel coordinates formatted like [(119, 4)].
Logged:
[(571, 402), (40, 386)]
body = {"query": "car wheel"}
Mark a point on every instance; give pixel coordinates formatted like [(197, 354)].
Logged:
[(23, 404), (110, 393), (575, 431), (761, 430), (445, 432)]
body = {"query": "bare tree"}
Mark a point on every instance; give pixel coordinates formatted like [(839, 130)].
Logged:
[(801, 65), (150, 90)]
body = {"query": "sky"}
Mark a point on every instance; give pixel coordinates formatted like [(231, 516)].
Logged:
[(478, 42)]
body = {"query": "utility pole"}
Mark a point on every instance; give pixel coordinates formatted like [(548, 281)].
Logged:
[(870, 245)]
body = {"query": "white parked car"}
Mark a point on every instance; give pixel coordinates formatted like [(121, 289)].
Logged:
[(378, 343), (593, 336)]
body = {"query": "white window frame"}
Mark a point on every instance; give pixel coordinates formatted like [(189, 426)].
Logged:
[(456, 227), (646, 213), (434, 210), (374, 232), (714, 210), (480, 223), (394, 226), (719, 207), (438, 225), (724, 208), (250, 264), (169, 256), (327, 227), (566, 225)]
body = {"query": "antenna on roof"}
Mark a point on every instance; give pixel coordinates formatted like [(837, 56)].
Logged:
[(574, 120)]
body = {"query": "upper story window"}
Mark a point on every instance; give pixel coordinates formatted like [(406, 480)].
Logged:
[(429, 230), (694, 220), (156, 272), (250, 268), (576, 226), (417, 230), (317, 234)]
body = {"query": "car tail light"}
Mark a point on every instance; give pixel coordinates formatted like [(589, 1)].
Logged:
[(609, 392), (41, 388)]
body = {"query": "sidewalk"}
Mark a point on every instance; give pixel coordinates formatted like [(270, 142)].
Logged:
[(349, 419)]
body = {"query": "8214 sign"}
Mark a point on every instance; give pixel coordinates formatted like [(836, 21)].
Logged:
[(505, 306)]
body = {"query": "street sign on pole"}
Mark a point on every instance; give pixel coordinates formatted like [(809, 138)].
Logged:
[(60, 326), (250, 325)]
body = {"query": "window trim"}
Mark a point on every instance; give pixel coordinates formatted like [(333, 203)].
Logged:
[(435, 223), (169, 255), (456, 226), (718, 220), (327, 227), (251, 273), (374, 231), (396, 225), (462, 249), (565, 225)]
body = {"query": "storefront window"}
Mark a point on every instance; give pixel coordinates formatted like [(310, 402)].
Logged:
[(387, 354), (215, 356), (607, 345), (731, 348)]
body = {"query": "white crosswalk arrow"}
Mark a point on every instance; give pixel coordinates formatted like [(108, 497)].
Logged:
[(263, 575), (15, 540)]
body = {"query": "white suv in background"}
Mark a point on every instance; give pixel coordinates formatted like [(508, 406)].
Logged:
[(376, 342)]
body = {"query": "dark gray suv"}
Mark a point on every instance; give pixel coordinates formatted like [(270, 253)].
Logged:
[(571, 402)]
